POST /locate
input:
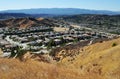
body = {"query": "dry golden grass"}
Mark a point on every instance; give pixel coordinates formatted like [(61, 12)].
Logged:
[(14, 69), (100, 58)]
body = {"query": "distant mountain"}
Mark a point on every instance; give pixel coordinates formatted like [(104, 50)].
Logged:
[(61, 11), (13, 15), (22, 15)]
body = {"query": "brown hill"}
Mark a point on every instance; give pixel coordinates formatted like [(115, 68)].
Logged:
[(100, 58), (28, 22)]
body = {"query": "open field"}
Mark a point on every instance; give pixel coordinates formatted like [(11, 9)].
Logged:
[(60, 29)]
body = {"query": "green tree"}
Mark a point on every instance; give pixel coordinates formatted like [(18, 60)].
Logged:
[(50, 44)]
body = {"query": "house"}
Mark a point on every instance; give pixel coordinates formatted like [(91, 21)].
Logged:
[(57, 41), (68, 39), (4, 42)]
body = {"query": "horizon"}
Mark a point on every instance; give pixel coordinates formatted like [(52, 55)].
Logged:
[(58, 8), (80, 4)]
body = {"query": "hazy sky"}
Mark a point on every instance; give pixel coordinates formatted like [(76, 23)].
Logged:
[(84, 4)]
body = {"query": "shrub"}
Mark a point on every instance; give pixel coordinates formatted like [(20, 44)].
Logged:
[(114, 44), (50, 44)]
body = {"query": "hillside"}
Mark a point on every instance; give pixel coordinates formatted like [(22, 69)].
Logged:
[(13, 68), (107, 23), (100, 58), (97, 61), (29, 22)]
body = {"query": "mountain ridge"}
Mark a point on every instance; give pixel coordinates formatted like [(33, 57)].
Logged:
[(61, 11)]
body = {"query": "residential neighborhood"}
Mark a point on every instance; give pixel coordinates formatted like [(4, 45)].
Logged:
[(42, 39)]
